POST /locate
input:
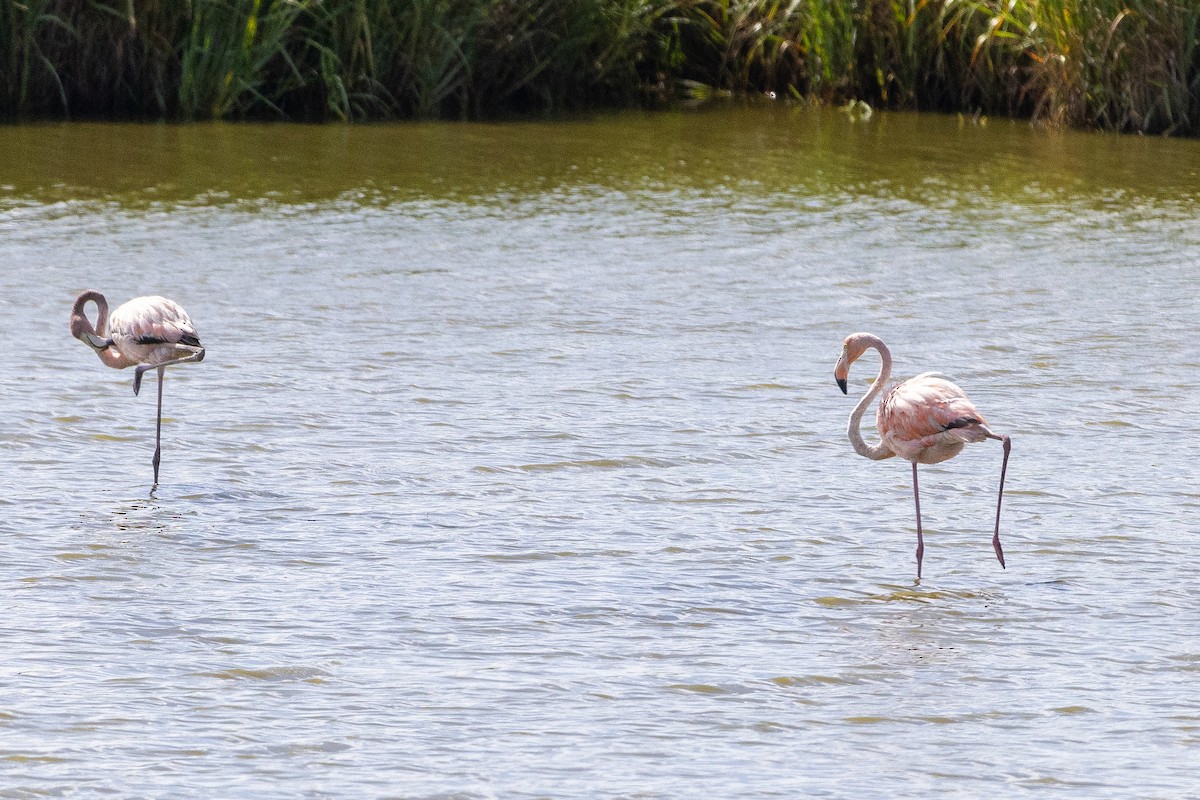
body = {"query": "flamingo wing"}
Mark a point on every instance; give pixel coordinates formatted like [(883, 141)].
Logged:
[(928, 419), (148, 328)]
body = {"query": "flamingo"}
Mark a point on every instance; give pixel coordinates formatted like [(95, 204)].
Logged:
[(151, 332), (925, 419)]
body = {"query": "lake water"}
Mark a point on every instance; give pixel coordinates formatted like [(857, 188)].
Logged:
[(517, 469)]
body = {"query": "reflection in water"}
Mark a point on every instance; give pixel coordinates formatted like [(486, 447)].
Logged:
[(516, 467), (144, 517)]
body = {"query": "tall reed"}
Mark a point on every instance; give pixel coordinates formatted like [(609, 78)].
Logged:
[(1127, 65)]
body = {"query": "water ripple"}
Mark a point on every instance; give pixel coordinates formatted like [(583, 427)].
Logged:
[(503, 478)]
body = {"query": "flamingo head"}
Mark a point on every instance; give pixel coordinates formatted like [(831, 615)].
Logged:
[(853, 347)]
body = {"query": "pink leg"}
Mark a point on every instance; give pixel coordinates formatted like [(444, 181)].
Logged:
[(158, 427), (920, 538), (140, 369), (1000, 499)]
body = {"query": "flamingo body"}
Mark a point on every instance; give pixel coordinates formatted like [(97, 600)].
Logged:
[(148, 332), (925, 420), (928, 419)]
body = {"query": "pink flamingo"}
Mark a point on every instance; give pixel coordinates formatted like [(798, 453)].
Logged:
[(925, 419), (152, 332)]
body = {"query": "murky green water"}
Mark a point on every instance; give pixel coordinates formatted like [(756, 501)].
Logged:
[(516, 467)]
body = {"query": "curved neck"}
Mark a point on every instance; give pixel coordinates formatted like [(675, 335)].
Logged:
[(880, 451), (81, 328), (80, 324)]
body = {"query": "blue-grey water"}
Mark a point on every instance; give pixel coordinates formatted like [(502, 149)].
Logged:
[(516, 467)]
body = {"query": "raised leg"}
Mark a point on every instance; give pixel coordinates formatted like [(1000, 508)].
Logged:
[(920, 538), (1000, 499), (140, 369), (162, 372)]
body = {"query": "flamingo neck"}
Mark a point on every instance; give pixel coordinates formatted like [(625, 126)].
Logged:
[(112, 357), (81, 326), (879, 451)]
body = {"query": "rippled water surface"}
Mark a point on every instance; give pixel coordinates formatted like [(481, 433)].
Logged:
[(516, 467)]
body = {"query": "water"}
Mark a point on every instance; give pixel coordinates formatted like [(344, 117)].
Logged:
[(516, 467)]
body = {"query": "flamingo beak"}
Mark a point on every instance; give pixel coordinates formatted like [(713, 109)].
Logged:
[(95, 342), (841, 382), (841, 372)]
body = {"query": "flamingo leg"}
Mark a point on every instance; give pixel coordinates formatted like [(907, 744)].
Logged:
[(162, 373), (1000, 499), (141, 368), (920, 538)]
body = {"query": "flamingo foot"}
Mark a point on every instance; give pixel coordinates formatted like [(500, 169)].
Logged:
[(999, 550)]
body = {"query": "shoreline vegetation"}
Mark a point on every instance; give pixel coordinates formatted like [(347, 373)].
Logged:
[(1131, 66)]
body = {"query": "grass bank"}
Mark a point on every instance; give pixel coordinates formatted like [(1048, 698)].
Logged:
[(1124, 65)]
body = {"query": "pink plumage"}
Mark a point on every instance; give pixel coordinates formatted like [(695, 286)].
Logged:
[(928, 419), (925, 420), (148, 329), (151, 332)]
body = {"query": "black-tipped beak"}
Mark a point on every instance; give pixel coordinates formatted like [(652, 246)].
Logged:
[(841, 382)]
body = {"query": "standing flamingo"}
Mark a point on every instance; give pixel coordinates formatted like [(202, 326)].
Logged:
[(152, 332), (925, 419)]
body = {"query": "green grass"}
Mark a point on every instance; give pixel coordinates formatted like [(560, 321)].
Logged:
[(1123, 65)]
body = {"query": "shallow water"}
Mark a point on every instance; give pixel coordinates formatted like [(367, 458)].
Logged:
[(516, 467)]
